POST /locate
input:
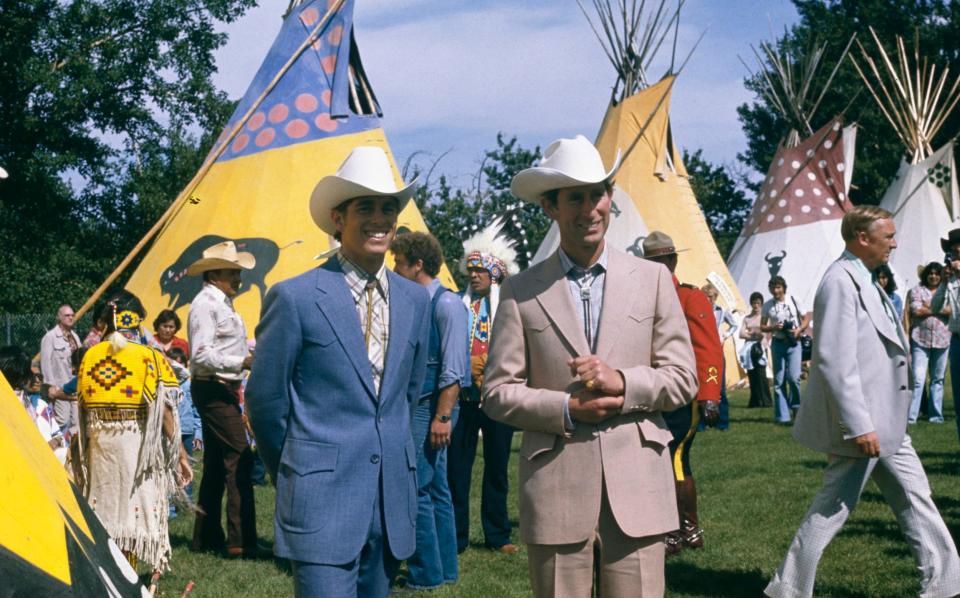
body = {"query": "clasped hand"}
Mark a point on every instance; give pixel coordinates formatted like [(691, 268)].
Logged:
[(602, 395)]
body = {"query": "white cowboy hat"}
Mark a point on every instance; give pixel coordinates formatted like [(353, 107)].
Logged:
[(3, 173), (222, 256), (366, 172), (565, 163)]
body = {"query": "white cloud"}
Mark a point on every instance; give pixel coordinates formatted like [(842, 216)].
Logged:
[(452, 74)]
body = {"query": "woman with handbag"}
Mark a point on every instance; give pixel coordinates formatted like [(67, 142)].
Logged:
[(783, 318), (754, 354)]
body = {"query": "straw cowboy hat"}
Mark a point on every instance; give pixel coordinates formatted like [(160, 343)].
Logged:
[(365, 173), (657, 244), (565, 163), (222, 256)]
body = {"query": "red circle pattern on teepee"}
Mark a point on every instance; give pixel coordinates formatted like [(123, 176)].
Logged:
[(256, 121), (264, 137), (306, 102), (278, 113), (336, 34), (326, 97), (309, 16), (325, 123), (297, 128), (240, 142), (329, 63), (804, 184)]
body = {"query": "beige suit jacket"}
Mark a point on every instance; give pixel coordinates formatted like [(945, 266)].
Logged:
[(643, 334)]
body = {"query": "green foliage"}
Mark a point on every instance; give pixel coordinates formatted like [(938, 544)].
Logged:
[(724, 203), (452, 215), (96, 98), (933, 24)]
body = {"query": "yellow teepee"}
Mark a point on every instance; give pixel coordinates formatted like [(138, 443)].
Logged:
[(308, 106), (51, 542), (652, 190)]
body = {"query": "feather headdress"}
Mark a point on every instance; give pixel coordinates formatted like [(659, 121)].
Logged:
[(490, 250)]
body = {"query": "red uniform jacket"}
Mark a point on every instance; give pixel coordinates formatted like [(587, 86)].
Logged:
[(705, 338)]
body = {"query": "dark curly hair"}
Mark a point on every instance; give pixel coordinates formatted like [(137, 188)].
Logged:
[(420, 246)]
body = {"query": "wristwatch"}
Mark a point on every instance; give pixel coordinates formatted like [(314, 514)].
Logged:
[(443, 418)]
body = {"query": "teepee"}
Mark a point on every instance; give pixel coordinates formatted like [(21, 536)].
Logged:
[(794, 227), (916, 97), (310, 103), (652, 190), (51, 541)]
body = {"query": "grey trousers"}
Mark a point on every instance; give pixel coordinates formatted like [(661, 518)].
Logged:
[(904, 485)]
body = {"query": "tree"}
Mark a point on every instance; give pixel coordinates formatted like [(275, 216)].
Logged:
[(724, 203), (452, 215), (934, 25), (96, 98)]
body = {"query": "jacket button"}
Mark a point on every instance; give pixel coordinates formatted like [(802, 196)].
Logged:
[(374, 459)]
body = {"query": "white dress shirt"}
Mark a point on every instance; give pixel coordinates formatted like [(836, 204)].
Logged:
[(218, 338)]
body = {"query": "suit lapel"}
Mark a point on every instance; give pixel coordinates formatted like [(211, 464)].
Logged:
[(870, 296), (400, 323), (558, 306), (337, 305), (617, 302)]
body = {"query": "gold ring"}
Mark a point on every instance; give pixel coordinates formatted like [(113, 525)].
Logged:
[(590, 384)]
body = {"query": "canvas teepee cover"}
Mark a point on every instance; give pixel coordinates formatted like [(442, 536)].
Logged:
[(794, 227), (51, 543), (916, 99), (652, 191), (308, 106)]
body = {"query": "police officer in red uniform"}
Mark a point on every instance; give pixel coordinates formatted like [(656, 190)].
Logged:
[(708, 350)]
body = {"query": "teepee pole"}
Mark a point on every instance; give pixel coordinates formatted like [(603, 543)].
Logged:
[(208, 163)]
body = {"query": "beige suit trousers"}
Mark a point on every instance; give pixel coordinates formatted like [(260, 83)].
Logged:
[(622, 566)]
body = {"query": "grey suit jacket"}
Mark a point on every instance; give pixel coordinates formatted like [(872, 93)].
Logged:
[(860, 379)]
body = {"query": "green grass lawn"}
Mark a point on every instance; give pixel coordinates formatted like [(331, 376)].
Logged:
[(754, 482)]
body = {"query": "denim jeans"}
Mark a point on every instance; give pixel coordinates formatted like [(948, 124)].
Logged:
[(786, 378), (435, 561), (955, 376), (936, 361)]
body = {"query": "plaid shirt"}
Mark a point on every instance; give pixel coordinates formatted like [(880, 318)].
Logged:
[(356, 278), (930, 332)]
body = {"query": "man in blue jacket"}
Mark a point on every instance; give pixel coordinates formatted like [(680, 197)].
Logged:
[(341, 356)]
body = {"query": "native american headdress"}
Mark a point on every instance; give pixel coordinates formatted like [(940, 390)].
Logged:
[(490, 250)]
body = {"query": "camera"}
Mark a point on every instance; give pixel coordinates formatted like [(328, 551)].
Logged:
[(948, 257)]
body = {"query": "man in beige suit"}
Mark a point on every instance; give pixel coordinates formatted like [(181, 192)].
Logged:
[(855, 410), (589, 346)]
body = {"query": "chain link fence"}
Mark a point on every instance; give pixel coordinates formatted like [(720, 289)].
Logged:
[(27, 330)]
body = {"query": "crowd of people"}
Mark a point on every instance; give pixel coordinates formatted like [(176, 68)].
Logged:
[(370, 387)]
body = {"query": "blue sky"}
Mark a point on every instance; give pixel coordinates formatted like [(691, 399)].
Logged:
[(450, 74)]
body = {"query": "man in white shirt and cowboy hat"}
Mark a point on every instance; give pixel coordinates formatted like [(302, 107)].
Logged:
[(218, 356), (342, 354), (588, 347)]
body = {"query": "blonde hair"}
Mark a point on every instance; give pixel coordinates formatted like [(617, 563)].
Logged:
[(860, 219)]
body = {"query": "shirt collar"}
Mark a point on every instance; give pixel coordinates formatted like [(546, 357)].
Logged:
[(567, 264), (865, 275), (215, 292), (433, 287), (353, 270)]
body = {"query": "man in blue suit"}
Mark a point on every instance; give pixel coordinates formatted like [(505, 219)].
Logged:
[(341, 356)]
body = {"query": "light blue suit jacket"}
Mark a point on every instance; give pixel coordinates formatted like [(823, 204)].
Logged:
[(325, 435)]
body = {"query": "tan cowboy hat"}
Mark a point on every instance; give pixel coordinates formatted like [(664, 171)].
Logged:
[(657, 244), (222, 256), (565, 163), (366, 172)]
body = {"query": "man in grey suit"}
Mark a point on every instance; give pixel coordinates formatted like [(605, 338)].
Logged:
[(855, 410)]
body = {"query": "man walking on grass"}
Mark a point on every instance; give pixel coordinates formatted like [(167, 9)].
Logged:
[(855, 410)]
